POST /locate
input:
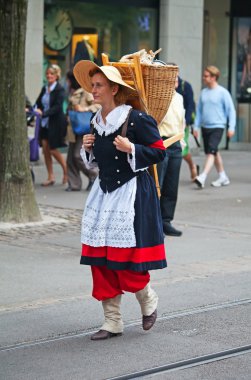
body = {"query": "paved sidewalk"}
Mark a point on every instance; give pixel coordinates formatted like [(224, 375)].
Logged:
[(47, 311)]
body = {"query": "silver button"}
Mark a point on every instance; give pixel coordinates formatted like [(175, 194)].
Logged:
[(116, 158), (132, 123), (140, 114), (118, 182), (118, 170)]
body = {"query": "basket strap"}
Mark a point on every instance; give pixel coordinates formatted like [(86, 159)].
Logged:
[(125, 125)]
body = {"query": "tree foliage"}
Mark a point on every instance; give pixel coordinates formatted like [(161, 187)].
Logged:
[(17, 198)]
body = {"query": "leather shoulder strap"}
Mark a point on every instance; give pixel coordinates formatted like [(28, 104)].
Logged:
[(125, 125), (91, 124)]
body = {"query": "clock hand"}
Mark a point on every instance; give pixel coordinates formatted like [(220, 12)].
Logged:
[(60, 22), (58, 34), (57, 27)]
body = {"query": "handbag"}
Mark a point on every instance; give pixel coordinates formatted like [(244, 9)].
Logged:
[(80, 122)]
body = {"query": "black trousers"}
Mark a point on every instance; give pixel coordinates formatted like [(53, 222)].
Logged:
[(169, 172)]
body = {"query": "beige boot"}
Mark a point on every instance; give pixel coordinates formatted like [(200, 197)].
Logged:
[(113, 321), (148, 300)]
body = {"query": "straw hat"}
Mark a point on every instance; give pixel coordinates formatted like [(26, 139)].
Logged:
[(82, 70)]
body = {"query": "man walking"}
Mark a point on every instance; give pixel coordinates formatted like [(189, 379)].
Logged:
[(215, 110), (169, 169)]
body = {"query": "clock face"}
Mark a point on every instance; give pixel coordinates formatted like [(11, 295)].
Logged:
[(58, 29)]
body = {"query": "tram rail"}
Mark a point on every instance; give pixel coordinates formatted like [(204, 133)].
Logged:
[(174, 315), (188, 363)]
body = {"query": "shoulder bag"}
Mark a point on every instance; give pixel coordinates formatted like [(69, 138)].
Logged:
[(80, 121)]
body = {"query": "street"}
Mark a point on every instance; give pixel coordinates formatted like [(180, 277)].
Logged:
[(47, 313)]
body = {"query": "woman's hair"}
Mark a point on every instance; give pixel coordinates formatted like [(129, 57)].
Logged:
[(122, 93), (55, 69), (213, 71), (73, 82)]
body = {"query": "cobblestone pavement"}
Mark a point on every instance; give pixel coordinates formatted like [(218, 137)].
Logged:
[(56, 219)]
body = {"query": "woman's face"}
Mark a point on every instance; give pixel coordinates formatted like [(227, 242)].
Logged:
[(102, 91), (51, 77)]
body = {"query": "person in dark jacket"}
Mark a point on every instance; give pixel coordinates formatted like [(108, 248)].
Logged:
[(185, 89), (122, 233), (53, 122)]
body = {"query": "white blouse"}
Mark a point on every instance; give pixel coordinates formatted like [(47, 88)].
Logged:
[(108, 218)]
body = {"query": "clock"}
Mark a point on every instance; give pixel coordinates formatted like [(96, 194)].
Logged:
[(58, 28)]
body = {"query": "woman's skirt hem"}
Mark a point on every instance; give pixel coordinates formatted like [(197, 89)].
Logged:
[(115, 265)]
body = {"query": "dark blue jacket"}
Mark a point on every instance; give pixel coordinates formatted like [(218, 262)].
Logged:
[(114, 169), (185, 89)]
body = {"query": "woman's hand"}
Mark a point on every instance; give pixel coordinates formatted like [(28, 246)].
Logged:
[(88, 141), (78, 108), (122, 144)]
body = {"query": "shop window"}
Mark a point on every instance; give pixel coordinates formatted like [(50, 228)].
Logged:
[(107, 27), (242, 32)]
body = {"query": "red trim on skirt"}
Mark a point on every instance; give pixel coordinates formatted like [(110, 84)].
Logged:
[(108, 283), (135, 255)]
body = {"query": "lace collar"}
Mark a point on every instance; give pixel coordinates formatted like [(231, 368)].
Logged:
[(114, 120)]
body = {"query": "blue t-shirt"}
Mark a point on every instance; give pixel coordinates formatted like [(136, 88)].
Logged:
[(215, 109)]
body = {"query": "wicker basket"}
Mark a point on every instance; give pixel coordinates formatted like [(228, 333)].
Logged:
[(155, 88), (159, 82)]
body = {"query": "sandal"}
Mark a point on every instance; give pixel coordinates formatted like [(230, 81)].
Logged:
[(48, 183), (65, 179)]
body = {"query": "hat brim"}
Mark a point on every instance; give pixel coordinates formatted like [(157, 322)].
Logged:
[(82, 70)]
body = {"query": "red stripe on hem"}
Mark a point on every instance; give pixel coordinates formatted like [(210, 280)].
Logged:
[(136, 255)]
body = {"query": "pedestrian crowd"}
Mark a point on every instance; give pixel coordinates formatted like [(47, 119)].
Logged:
[(124, 221)]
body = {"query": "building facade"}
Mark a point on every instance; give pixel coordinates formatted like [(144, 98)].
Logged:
[(191, 33)]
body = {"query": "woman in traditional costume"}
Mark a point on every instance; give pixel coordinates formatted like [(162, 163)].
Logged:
[(122, 234)]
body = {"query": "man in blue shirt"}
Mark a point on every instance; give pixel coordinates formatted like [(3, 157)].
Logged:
[(215, 110)]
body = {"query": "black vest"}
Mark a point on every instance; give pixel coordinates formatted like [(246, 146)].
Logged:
[(114, 170)]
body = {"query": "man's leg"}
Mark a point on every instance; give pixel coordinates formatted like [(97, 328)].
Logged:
[(169, 188), (210, 159), (192, 167), (219, 163), (209, 163), (211, 139), (74, 179), (223, 179)]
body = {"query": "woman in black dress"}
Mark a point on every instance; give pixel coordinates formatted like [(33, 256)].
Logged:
[(53, 123), (122, 234)]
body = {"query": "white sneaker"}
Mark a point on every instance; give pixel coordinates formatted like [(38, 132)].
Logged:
[(221, 182), (199, 182)]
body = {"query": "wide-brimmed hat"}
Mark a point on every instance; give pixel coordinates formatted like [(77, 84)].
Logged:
[(82, 74)]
